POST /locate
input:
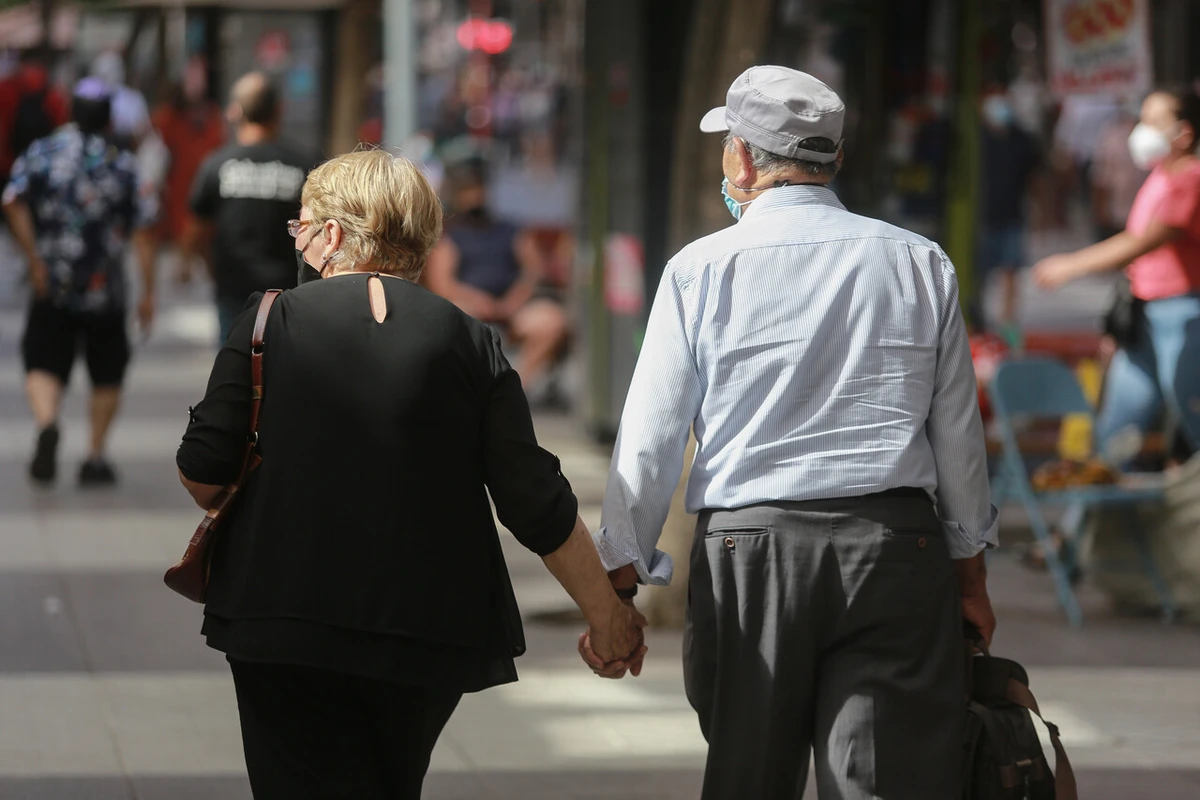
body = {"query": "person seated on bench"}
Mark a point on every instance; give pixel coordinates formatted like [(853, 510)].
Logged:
[(494, 271)]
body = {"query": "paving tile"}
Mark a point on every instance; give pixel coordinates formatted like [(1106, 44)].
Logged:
[(36, 632), (664, 784), (173, 723), (54, 725), (130, 621), (191, 787), (93, 788)]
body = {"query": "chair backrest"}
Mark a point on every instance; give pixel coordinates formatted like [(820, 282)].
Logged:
[(1039, 387)]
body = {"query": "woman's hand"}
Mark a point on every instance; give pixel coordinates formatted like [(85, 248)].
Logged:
[(1053, 272), (615, 644), (606, 649)]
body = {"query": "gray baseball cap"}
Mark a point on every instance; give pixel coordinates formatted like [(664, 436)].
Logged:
[(777, 108)]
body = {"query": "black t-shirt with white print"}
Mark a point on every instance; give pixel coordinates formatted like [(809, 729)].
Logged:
[(249, 193)]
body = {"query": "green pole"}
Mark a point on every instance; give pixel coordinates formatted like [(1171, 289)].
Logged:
[(962, 184)]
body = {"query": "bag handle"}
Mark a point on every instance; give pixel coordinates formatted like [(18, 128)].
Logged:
[(250, 458), (1018, 693), (1064, 777)]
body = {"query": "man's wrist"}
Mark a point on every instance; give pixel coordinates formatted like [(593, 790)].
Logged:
[(624, 577), (972, 574)]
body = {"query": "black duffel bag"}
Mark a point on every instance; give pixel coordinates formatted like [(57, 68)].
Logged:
[(1003, 757)]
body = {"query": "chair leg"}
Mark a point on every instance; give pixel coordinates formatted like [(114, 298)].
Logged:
[(1072, 525), (1001, 487), (1150, 566), (1058, 572)]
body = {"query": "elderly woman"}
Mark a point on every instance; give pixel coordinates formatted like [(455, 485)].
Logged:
[(359, 588)]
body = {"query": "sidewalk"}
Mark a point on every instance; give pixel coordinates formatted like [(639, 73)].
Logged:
[(108, 692)]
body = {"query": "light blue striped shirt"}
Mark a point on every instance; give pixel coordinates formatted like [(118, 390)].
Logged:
[(816, 354)]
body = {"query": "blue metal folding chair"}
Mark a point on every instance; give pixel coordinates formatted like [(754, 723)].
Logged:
[(1046, 389)]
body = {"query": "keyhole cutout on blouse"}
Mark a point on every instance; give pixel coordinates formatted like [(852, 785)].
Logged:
[(378, 297)]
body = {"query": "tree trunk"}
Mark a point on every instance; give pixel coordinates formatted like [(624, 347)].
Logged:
[(358, 25), (737, 34)]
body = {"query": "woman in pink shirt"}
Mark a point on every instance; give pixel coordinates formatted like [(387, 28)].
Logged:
[(1160, 250)]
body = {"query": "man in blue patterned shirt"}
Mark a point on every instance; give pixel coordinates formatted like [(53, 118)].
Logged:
[(74, 206), (840, 474)]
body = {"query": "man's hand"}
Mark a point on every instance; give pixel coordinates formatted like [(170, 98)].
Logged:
[(39, 278), (145, 312), (976, 605)]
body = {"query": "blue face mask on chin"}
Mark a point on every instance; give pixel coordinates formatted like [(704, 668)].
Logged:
[(735, 208)]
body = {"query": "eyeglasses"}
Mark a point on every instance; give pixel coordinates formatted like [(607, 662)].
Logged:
[(296, 225)]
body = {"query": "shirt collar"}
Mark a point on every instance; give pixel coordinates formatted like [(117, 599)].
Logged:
[(785, 196)]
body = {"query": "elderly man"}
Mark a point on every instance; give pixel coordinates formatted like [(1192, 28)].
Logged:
[(840, 476)]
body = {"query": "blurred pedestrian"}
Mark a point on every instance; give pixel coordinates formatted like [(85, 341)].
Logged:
[(1115, 177), (242, 195), (1010, 160), (73, 205), (1077, 132), (495, 272), (130, 115), (1159, 357), (401, 415), (131, 125), (840, 472), (30, 109), (191, 127)]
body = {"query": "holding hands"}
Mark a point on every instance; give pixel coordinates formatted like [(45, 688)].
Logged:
[(617, 645)]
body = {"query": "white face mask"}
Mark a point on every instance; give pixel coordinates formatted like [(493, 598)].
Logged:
[(1148, 146)]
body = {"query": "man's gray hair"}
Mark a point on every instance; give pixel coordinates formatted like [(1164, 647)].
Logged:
[(768, 163)]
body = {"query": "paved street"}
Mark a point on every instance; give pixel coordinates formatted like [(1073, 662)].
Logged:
[(107, 691)]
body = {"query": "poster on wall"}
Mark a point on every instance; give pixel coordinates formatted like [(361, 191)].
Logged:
[(1098, 46)]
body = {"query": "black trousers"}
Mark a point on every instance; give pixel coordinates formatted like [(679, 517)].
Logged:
[(829, 627), (310, 734)]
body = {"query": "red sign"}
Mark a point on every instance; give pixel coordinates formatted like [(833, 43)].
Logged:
[(490, 36), (1098, 45)]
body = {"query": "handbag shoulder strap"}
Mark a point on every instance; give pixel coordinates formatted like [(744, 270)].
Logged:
[(257, 345), (1065, 787)]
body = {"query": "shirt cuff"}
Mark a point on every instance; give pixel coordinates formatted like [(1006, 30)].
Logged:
[(963, 544), (617, 551)]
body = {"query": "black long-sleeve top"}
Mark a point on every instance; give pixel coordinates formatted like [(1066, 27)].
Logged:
[(364, 541)]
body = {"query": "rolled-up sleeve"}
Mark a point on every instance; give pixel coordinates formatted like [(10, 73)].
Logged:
[(533, 499), (663, 401), (215, 440), (955, 432)]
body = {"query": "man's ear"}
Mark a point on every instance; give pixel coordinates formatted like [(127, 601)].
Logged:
[(747, 174)]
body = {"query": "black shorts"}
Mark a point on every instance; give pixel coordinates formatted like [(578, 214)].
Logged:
[(52, 336)]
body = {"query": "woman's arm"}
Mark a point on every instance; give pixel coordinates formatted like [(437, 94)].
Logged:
[(202, 493), (214, 444), (535, 502), (614, 628), (1112, 254)]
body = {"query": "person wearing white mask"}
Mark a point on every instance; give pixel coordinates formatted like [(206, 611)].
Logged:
[(1159, 360)]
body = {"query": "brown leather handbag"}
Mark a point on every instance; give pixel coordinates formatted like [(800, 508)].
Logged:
[(190, 576)]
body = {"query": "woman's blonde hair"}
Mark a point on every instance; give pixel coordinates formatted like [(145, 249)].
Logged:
[(390, 215)]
